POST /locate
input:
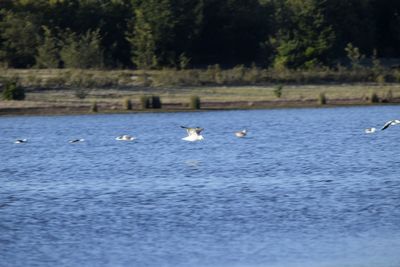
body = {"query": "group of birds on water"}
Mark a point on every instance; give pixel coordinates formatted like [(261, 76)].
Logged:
[(384, 127), (193, 134)]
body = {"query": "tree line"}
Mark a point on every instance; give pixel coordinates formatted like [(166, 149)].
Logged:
[(151, 34)]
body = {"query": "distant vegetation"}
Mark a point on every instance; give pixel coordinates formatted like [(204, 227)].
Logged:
[(83, 81), (194, 102), (12, 91), (127, 104), (168, 54), (322, 99), (187, 34), (94, 107)]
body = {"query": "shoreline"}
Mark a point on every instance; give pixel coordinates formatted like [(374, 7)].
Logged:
[(172, 108), (76, 100)]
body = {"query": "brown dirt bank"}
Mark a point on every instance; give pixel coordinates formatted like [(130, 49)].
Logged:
[(79, 100), (18, 108)]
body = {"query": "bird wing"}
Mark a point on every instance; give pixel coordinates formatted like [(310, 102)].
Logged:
[(387, 124), (192, 131), (198, 130)]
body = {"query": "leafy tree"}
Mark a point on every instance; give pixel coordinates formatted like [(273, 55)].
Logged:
[(19, 35), (384, 14), (354, 55), (154, 23), (143, 43), (303, 38), (231, 32), (82, 51), (12, 91), (158, 33), (48, 52)]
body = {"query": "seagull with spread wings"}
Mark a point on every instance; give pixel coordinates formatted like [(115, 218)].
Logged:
[(193, 134), (390, 123)]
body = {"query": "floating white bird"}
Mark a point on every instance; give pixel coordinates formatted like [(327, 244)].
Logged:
[(193, 134), (390, 123), (241, 134), (125, 137), (20, 141), (370, 130), (76, 140)]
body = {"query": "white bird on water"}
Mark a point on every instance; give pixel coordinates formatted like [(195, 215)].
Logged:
[(76, 141), (125, 137), (390, 123), (241, 134), (193, 134), (20, 141), (370, 130)]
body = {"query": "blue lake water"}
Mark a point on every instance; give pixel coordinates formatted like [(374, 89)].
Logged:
[(307, 187)]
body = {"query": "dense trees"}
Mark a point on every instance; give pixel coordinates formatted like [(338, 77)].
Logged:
[(177, 33)]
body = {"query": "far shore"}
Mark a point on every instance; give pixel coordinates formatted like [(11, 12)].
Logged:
[(114, 104), (59, 91)]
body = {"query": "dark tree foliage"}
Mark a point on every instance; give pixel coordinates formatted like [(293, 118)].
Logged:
[(197, 33), (12, 91)]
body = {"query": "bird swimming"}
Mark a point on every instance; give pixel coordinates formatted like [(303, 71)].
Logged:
[(370, 130), (20, 141), (76, 140), (193, 134), (390, 123), (241, 134), (125, 137)]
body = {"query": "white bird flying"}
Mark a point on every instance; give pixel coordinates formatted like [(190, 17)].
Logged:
[(390, 123), (20, 141), (241, 134), (125, 137), (193, 134)]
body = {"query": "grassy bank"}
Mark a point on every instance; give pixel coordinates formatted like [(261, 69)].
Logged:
[(211, 76), (72, 91)]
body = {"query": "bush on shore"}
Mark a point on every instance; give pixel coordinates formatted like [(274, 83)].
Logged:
[(94, 107), (213, 75), (127, 104), (322, 99), (194, 102), (13, 91)]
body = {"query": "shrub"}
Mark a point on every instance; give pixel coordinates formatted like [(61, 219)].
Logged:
[(322, 99), (81, 93), (252, 75), (82, 51), (214, 74), (183, 61), (143, 79), (144, 102), (48, 51), (374, 98), (194, 102), (278, 90), (155, 102), (354, 55), (127, 104), (12, 91), (94, 107), (380, 79), (389, 95)]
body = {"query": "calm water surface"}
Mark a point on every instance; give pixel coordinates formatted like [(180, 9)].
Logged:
[(306, 188)]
